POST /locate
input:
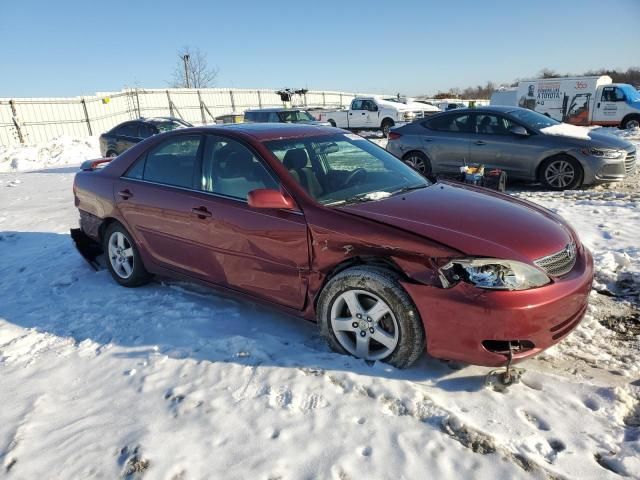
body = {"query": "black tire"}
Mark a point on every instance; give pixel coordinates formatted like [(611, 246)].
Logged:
[(418, 161), (387, 123), (632, 121), (385, 285), (111, 154), (545, 174), (333, 124), (139, 275)]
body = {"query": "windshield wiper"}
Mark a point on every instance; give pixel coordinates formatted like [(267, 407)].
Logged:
[(408, 189)]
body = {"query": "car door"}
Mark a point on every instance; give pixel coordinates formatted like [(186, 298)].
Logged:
[(262, 252), (446, 141), (157, 199), (371, 114), (610, 107), (357, 114), (494, 146)]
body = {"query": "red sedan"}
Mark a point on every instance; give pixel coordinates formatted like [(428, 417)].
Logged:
[(328, 225)]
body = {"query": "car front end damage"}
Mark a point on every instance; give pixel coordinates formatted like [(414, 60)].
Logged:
[(490, 326)]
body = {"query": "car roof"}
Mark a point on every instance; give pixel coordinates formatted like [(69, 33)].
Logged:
[(270, 131), (274, 109), (486, 109)]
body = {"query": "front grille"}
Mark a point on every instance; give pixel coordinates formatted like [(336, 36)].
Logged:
[(559, 263), (630, 162)]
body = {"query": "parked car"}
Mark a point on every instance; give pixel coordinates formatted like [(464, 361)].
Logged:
[(446, 106), (281, 115), (327, 225), (525, 144), (373, 113), (127, 134), (591, 100)]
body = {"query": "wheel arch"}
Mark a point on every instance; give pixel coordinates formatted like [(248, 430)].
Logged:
[(387, 119), (627, 117), (555, 155), (357, 261)]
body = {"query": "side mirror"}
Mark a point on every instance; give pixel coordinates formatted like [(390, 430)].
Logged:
[(519, 131), (268, 198)]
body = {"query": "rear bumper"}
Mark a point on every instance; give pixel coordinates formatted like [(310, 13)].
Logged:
[(458, 320)]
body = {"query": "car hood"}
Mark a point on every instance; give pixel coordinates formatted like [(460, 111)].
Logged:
[(314, 122), (604, 139), (472, 220)]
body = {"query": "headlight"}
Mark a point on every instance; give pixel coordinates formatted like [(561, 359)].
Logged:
[(604, 152), (409, 115), (493, 274)]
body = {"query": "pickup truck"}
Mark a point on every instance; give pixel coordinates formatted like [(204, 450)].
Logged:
[(373, 113)]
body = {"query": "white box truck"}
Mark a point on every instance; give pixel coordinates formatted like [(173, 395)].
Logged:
[(582, 100)]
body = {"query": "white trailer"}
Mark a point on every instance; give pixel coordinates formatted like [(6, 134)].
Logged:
[(582, 100)]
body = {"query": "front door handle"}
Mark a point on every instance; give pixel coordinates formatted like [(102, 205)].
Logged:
[(201, 212), (480, 142), (125, 194)]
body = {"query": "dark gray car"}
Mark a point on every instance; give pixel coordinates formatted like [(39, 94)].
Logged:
[(282, 115), (527, 145)]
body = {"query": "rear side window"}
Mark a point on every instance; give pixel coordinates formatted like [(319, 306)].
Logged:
[(450, 123), (128, 130), (250, 117), (229, 168), (273, 117), (171, 163)]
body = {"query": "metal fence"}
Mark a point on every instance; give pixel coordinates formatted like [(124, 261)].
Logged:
[(32, 120)]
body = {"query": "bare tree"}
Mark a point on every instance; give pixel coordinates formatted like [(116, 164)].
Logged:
[(192, 70)]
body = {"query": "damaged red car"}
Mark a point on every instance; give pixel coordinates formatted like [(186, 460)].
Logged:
[(329, 226)]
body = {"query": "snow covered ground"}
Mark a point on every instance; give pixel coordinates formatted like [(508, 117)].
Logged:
[(173, 381)]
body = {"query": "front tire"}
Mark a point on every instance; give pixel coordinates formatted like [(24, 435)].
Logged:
[(561, 172), (365, 312), (123, 258), (632, 121), (386, 126)]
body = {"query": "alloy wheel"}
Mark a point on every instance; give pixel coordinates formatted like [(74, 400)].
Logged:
[(559, 173), (415, 162), (121, 255), (633, 124), (364, 325)]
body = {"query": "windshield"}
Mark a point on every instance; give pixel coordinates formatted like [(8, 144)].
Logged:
[(344, 168), (533, 119), (631, 93), (169, 125), (293, 116)]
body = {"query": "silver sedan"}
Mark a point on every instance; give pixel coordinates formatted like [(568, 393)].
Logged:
[(527, 145)]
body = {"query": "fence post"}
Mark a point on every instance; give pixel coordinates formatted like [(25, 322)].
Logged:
[(233, 103), (86, 116), (204, 119), (259, 99), (340, 99), (324, 100), (170, 104), (14, 117), (138, 104)]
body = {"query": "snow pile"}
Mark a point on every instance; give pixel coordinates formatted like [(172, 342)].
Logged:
[(567, 130), (59, 152)]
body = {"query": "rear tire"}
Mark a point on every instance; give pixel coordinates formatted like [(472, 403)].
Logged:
[(561, 172), (367, 305), (333, 124), (111, 154), (418, 161), (122, 256)]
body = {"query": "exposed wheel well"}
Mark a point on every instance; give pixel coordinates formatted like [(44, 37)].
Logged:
[(381, 262), (104, 225), (387, 120)]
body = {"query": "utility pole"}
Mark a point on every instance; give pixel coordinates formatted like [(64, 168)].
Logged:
[(185, 59)]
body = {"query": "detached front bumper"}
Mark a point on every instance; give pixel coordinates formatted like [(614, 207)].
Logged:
[(469, 324)]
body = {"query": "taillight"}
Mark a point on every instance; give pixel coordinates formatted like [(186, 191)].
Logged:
[(394, 136)]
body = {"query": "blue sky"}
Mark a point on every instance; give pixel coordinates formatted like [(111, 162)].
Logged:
[(60, 48)]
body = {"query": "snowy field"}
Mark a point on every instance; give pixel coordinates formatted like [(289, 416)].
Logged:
[(173, 381)]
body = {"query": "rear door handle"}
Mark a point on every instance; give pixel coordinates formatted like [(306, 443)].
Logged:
[(480, 142), (201, 212), (125, 194)]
